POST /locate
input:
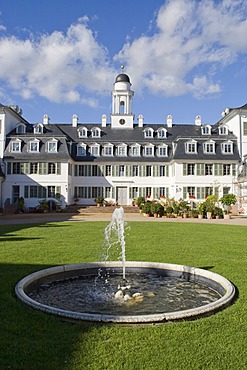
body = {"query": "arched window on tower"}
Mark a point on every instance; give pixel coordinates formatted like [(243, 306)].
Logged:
[(122, 108)]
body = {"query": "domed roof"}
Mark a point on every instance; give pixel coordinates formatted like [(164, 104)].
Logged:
[(122, 78)]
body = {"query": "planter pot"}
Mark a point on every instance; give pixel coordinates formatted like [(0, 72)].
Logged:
[(185, 215), (155, 214), (209, 215), (227, 217), (200, 216)]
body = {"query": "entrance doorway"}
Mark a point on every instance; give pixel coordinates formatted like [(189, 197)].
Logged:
[(122, 195)]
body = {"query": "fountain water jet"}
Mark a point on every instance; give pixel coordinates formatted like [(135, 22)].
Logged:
[(177, 291)]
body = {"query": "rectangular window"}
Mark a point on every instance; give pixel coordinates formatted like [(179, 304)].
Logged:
[(134, 192), (245, 128), (33, 191), (162, 192), (34, 146), (51, 191), (148, 151), (227, 148), (148, 192), (51, 168), (208, 191), (52, 147), (191, 147), (121, 170), (108, 170), (148, 171), (81, 150), (162, 171), (162, 152), (33, 168), (191, 168), (94, 170), (200, 193), (226, 169), (135, 170), (209, 148), (108, 150), (122, 151), (94, 150), (16, 146), (16, 168), (191, 190), (208, 169), (226, 190), (108, 192), (135, 150)]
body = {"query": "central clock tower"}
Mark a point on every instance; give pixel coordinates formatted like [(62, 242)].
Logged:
[(122, 117)]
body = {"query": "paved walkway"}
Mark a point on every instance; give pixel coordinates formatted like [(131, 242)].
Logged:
[(62, 217)]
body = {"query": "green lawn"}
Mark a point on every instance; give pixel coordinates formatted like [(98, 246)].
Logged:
[(33, 340)]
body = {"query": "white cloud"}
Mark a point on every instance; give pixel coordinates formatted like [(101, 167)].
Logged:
[(190, 36), (189, 43), (59, 67)]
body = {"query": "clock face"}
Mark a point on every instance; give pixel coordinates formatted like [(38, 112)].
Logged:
[(122, 121)]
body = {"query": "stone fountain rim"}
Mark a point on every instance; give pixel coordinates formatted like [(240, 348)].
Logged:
[(189, 314)]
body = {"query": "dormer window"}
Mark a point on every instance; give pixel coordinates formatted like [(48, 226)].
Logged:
[(227, 147), (94, 150), (223, 130), (82, 132), (135, 150), (162, 133), (21, 129), (96, 132), (209, 147), (34, 146), (81, 149), (38, 128), (148, 133), (52, 146), (206, 130), (191, 147), (162, 150), (108, 150), (122, 150), (149, 150), (16, 146)]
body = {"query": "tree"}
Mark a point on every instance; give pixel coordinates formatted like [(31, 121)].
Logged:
[(228, 200)]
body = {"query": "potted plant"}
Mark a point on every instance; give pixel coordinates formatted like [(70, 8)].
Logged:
[(210, 205), (139, 201), (99, 201), (201, 210), (228, 200), (169, 211), (146, 209), (218, 212)]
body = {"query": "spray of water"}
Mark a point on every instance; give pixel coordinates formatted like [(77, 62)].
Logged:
[(114, 235)]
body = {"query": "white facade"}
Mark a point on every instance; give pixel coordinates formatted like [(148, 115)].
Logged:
[(122, 160)]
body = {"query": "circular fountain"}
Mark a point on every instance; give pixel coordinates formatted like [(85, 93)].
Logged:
[(125, 292)]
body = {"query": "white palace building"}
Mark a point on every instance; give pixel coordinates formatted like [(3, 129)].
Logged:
[(121, 159)]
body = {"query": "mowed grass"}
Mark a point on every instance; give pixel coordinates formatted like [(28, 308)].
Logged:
[(34, 340)]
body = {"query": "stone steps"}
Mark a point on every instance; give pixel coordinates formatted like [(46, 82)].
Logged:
[(98, 210)]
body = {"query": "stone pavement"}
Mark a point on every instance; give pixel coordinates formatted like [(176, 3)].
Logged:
[(30, 218)]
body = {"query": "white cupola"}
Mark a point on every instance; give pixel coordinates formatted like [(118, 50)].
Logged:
[(122, 116)]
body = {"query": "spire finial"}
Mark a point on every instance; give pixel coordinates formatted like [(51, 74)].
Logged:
[(122, 69)]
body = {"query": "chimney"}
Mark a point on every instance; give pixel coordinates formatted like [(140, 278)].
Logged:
[(198, 121), (74, 120), (140, 120), (103, 120), (169, 120), (46, 119)]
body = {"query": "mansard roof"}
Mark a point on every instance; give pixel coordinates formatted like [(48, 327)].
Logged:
[(68, 139)]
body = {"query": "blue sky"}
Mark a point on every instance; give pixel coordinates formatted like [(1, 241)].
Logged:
[(184, 57)]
